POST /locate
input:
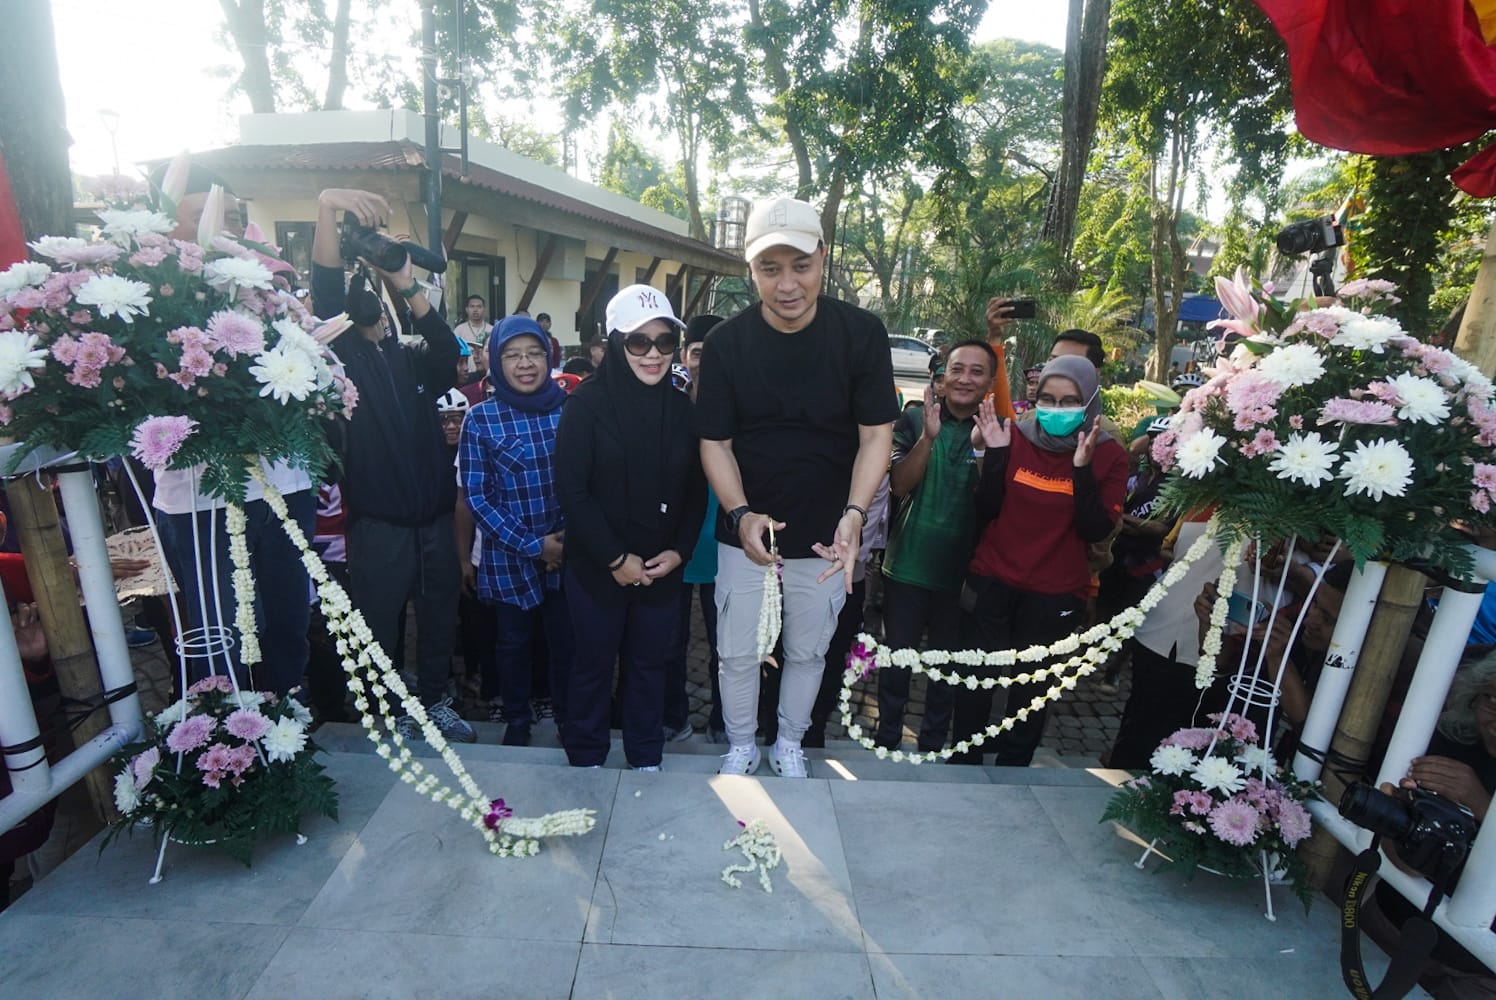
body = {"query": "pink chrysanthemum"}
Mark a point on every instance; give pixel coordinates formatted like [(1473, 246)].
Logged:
[(1353, 411), (157, 439), (1293, 822), (1191, 739), (1235, 822), (247, 724), (236, 334), (143, 766), (215, 682), (190, 733)]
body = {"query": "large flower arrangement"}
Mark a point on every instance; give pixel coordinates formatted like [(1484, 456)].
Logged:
[(177, 352), (1203, 805), (1333, 420), (223, 767)]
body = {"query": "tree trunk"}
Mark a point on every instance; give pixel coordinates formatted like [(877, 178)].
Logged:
[(779, 77), (1085, 66), (337, 70), (835, 192), (245, 21), (33, 135)]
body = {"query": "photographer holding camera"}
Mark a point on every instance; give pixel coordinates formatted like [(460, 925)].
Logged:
[(1426, 826), (397, 469)]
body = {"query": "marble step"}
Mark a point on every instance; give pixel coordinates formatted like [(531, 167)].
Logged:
[(840, 760)]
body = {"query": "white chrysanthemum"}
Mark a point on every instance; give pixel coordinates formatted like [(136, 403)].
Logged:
[(299, 711), (56, 246), (284, 740), (1294, 365), (292, 335), (172, 714), (122, 226), (285, 374), (1172, 760), (1422, 399), (246, 699), (239, 272), (112, 295), (19, 356), (23, 274), (1381, 468), (1197, 455), (1255, 759), (1305, 458), (1219, 773), (126, 795), (1366, 333)]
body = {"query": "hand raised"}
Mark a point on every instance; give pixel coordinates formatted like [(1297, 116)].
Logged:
[(994, 431), (1085, 446)]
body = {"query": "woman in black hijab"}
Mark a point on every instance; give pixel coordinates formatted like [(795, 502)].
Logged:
[(629, 478)]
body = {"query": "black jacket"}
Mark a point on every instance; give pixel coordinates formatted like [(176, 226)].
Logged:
[(592, 468), (396, 464)]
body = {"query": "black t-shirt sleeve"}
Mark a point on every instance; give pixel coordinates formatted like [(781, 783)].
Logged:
[(328, 291), (874, 399), (715, 413)]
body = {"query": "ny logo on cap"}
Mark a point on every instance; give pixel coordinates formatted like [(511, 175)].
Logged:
[(647, 300)]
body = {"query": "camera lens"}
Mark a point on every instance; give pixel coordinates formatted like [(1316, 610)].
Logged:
[(1301, 237), (1376, 811)]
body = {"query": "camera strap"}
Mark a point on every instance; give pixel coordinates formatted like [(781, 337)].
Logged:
[(1415, 943)]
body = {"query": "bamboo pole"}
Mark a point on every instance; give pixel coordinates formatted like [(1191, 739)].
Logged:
[(1381, 653), (34, 513), (1476, 341)]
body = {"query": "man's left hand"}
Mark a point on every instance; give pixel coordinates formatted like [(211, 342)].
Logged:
[(842, 552)]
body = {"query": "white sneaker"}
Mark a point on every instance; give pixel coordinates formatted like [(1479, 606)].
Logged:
[(740, 760), (648, 767), (787, 760)]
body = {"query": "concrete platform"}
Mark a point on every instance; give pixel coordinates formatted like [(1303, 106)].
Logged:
[(951, 883)]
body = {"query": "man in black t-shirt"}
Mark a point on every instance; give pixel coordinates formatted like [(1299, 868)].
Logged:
[(795, 414)]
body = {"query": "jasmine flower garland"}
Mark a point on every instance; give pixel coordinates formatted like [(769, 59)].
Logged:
[(1083, 653), (1210, 647), (507, 836), (771, 612), (760, 852), (244, 587)]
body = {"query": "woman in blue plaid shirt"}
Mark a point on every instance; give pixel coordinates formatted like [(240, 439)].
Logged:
[(505, 459)]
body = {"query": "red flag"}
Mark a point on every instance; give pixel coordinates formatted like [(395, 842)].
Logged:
[(1391, 77), (12, 233)]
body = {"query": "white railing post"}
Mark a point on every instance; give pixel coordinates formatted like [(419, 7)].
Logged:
[(1340, 663), (29, 774), (91, 553), (1431, 679)]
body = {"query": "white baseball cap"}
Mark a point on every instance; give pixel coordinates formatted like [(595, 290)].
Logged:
[(782, 222), (636, 305)]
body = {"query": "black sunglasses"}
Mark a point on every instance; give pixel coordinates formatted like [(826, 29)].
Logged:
[(638, 344)]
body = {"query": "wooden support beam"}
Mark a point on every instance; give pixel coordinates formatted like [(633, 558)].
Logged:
[(595, 285), (674, 283), (33, 512), (649, 273), (454, 230), (706, 283), (542, 264)]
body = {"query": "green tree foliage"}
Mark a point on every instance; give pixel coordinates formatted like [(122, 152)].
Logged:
[(863, 89), (634, 172), (686, 54), (1181, 75)]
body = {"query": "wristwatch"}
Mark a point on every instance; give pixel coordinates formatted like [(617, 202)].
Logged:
[(736, 515)]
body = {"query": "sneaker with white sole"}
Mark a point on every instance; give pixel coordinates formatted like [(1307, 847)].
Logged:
[(740, 760), (787, 760), (679, 735), (452, 725), (648, 767)]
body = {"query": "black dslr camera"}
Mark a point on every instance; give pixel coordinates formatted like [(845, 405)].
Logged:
[(1311, 236), (381, 251), (1431, 833)]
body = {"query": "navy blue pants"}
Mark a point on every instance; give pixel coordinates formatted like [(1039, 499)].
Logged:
[(514, 653), (640, 636), (282, 594)]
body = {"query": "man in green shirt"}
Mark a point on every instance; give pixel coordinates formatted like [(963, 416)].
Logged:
[(930, 540)]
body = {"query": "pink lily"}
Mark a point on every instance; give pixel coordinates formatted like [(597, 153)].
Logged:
[(211, 223), (1236, 295), (330, 329)]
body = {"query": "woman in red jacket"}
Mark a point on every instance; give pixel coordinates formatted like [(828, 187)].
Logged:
[(1049, 487)]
